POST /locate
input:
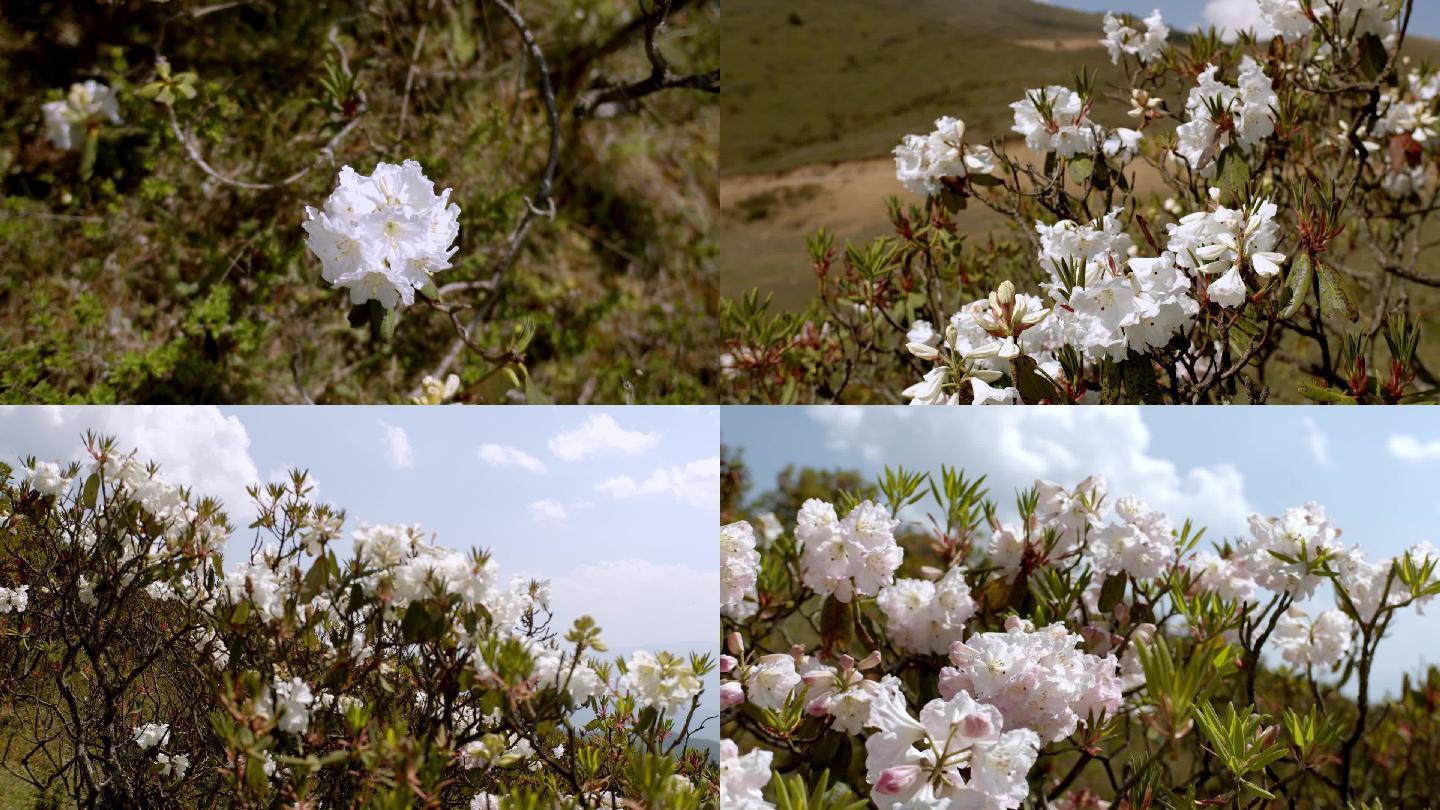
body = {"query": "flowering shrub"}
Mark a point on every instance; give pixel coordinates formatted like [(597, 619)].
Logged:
[(138, 670), (1284, 253), (158, 172), (1089, 653)]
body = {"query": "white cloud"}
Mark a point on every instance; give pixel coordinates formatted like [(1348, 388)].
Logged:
[(397, 446), (1318, 441), (500, 455), (548, 511), (600, 433), (1015, 446), (196, 446), (1409, 448), (696, 483), (639, 602), (1234, 16)]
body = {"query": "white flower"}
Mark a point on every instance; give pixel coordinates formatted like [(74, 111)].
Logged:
[(289, 703), (86, 104), (743, 778), (435, 392), (485, 801), (1037, 679), (1288, 553), (856, 556), (1140, 543), (1288, 17), (1223, 242), (172, 765), (739, 562), (955, 755), (152, 734), (1053, 119), (665, 682), (1122, 39), (923, 162), (924, 616), (1221, 114), (770, 680), (47, 479), (14, 600), (1323, 643), (383, 235)]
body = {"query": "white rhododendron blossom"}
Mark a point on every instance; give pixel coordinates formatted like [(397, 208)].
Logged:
[(665, 682), (1055, 119), (172, 764), (1289, 553), (1038, 679), (957, 753), (1147, 46), (87, 104), (924, 162), (150, 735), (743, 778), (770, 681), (1219, 244), (1322, 643), (47, 478), (14, 600), (846, 558), (1111, 304), (1220, 114), (1227, 577), (1356, 17), (925, 616), (288, 702), (738, 563), (1139, 542), (383, 235)]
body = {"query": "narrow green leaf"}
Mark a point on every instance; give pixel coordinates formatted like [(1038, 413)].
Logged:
[(1297, 284)]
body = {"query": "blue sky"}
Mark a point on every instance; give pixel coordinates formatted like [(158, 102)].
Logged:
[(1191, 14), (616, 505), (1373, 469)]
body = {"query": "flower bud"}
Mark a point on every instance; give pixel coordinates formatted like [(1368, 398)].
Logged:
[(735, 644), (731, 694), (924, 351), (897, 779), (1005, 293)]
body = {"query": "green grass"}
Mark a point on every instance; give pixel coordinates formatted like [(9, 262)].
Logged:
[(813, 81)]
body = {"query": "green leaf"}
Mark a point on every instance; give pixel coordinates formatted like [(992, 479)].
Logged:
[(1297, 284), (240, 613), (87, 157), (415, 624), (1032, 385), (533, 394), (315, 580), (1112, 592), (1319, 393), (1334, 300), (1373, 56), (1082, 169), (1231, 175), (1139, 375), (91, 491)]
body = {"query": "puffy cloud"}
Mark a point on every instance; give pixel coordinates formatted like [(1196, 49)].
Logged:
[(1015, 446), (548, 511), (600, 433), (198, 446), (500, 455), (696, 483), (639, 602), (1234, 16), (1318, 441), (397, 446), (1409, 448)]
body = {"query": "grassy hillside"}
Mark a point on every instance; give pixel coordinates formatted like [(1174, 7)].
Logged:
[(827, 80)]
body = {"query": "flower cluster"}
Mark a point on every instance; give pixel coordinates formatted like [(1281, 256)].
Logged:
[(1295, 19), (956, 753), (1224, 242), (1038, 679), (1222, 114), (1055, 119), (742, 778), (738, 563), (86, 105), (924, 162), (14, 600), (1140, 542), (383, 235), (924, 616), (846, 558), (665, 682), (1147, 46), (1322, 643)]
